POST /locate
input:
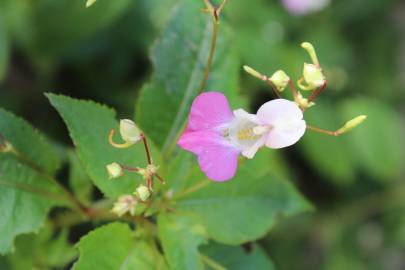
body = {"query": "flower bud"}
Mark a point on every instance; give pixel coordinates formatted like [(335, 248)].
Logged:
[(125, 204), (148, 172), (90, 2), (313, 76), (302, 102), (114, 170), (311, 51), (143, 193), (254, 73), (352, 124), (130, 133), (280, 80)]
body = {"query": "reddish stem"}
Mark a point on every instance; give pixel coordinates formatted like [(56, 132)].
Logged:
[(317, 92), (145, 143)]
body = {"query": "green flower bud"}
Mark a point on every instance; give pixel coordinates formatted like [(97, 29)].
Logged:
[(114, 170), (352, 124), (302, 102), (143, 193), (90, 2), (254, 73), (280, 80), (130, 133), (125, 204), (313, 76)]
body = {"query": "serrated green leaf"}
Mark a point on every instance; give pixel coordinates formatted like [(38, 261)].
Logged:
[(25, 200), (181, 236), (33, 146), (378, 142), (89, 124), (79, 181), (244, 208), (114, 246), (330, 156), (179, 58), (235, 258)]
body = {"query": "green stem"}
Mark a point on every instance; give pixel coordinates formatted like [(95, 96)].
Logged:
[(196, 187), (211, 263), (211, 54), (32, 189), (74, 201)]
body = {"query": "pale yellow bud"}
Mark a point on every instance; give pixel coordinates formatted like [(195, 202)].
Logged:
[(114, 170), (143, 193), (130, 133), (125, 204), (302, 102), (313, 76), (311, 51), (148, 172), (280, 80), (352, 124), (90, 2), (254, 73)]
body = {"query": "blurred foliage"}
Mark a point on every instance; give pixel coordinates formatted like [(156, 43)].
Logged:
[(355, 182)]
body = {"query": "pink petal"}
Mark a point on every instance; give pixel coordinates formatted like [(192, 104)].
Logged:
[(210, 110), (217, 158), (285, 118)]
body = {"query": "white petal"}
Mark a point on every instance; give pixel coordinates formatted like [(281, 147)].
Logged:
[(242, 114), (286, 135), (273, 111), (251, 151), (285, 119)]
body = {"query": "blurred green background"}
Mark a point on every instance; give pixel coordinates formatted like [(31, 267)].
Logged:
[(356, 181)]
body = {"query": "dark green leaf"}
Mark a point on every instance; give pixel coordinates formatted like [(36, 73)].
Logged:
[(114, 246), (236, 258), (26, 197), (181, 237), (33, 146), (244, 208)]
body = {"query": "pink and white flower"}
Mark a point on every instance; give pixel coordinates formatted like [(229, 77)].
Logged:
[(303, 7), (218, 136)]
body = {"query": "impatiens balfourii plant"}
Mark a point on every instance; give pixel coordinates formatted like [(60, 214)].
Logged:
[(160, 205)]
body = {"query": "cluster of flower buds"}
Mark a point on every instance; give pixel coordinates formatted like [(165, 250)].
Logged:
[(131, 135), (313, 80)]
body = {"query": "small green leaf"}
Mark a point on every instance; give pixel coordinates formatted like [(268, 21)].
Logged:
[(181, 237), (235, 258), (114, 246), (376, 143), (330, 156), (32, 145), (25, 200), (179, 58), (244, 208), (89, 124), (47, 249)]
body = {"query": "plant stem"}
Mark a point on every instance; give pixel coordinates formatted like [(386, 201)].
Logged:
[(196, 187), (317, 92), (211, 53), (292, 87), (323, 131), (32, 189), (211, 263), (75, 202), (145, 143)]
